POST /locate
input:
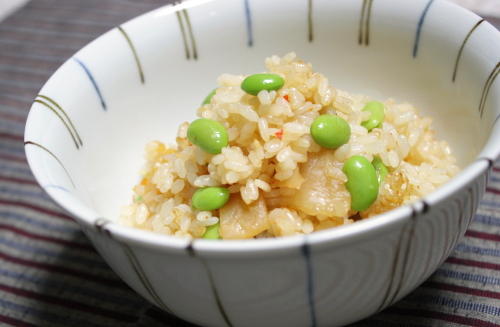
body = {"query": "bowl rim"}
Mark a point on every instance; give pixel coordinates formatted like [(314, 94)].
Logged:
[(272, 246)]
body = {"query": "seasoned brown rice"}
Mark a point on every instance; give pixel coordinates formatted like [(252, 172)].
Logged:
[(281, 182)]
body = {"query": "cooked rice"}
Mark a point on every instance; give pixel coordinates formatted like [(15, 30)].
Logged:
[(282, 182)]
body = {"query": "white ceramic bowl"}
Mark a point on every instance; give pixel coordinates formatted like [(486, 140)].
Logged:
[(86, 132)]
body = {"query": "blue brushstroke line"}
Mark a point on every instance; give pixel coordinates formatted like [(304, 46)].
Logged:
[(468, 277), (248, 16), (18, 218), (76, 260), (419, 28), (455, 304), (310, 284), (57, 284), (93, 81), (57, 187), (64, 320)]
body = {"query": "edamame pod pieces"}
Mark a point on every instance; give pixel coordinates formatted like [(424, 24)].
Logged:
[(208, 134), (362, 182), (255, 83), (330, 131), (210, 198), (377, 115), (380, 169), (209, 97), (212, 232)]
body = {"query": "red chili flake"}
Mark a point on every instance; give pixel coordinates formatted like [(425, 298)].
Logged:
[(279, 134), (286, 97)]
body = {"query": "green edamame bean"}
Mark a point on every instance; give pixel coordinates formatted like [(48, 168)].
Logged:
[(210, 198), (212, 232), (362, 182), (377, 115), (330, 131), (209, 97), (253, 84), (208, 134), (380, 169)]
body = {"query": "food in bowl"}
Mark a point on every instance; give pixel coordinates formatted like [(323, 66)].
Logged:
[(284, 153)]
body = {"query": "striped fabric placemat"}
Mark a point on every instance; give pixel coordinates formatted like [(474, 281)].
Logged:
[(50, 275)]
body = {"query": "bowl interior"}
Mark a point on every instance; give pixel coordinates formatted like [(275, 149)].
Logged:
[(138, 82)]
